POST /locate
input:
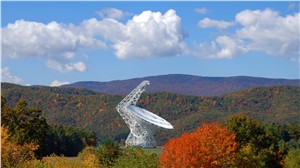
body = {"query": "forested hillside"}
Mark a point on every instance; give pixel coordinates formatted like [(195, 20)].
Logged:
[(185, 84), (96, 111)]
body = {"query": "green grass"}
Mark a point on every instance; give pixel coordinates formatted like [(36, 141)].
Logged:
[(61, 161)]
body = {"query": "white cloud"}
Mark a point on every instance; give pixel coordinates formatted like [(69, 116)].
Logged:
[(152, 34), (6, 76), (52, 41), (149, 34), (77, 66), (229, 47), (201, 10), (58, 83), (27, 39), (222, 47), (68, 67), (110, 29), (260, 30), (208, 23), (266, 31), (112, 13)]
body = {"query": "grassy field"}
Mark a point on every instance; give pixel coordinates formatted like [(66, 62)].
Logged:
[(66, 162)]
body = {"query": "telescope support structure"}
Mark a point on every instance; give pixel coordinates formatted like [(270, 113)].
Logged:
[(141, 132)]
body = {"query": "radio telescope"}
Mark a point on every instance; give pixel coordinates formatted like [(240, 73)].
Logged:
[(141, 122)]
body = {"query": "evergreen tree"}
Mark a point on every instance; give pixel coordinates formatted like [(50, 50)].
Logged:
[(26, 125)]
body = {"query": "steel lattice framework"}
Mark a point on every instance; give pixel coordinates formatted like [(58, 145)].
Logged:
[(141, 131)]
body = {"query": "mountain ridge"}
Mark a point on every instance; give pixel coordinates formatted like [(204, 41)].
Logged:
[(185, 84), (83, 108)]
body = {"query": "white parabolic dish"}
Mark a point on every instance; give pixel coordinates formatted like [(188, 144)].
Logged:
[(149, 117)]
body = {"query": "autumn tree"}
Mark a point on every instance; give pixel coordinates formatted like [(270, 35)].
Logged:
[(258, 147), (209, 146), (13, 154), (25, 124), (89, 156), (109, 151)]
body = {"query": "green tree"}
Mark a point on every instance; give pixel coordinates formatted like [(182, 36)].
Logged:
[(249, 131), (246, 157), (257, 146), (109, 151), (136, 157), (286, 136), (69, 141), (26, 125)]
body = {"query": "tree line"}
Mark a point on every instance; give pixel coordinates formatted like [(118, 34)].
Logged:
[(83, 108), (239, 141), (23, 126)]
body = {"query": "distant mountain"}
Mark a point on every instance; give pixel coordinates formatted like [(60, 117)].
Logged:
[(83, 108), (185, 84)]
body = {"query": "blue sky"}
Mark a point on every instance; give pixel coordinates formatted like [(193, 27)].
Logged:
[(52, 43)]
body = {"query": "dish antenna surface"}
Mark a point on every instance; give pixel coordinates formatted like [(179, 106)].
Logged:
[(141, 122)]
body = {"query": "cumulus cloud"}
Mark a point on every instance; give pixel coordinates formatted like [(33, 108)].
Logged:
[(149, 34), (222, 47), (229, 47), (208, 23), (260, 30), (51, 41), (7, 76), (112, 13), (58, 83), (68, 67), (201, 10), (110, 29), (269, 32), (152, 34), (25, 39)]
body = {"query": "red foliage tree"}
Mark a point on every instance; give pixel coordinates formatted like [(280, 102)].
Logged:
[(209, 146)]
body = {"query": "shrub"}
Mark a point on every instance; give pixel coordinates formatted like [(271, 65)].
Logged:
[(136, 157), (90, 157), (108, 151), (33, 164)]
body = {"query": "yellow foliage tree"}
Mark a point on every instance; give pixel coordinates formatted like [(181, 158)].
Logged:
[(13, 154), (209, 146), (90, 157)]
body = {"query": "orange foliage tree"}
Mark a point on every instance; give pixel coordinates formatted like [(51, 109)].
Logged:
[(13, 154), (209, 146)]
